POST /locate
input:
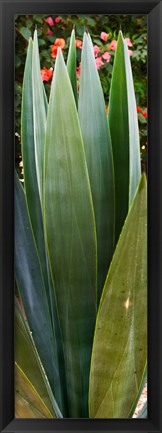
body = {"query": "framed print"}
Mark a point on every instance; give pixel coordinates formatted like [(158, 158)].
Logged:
[(80, 235)]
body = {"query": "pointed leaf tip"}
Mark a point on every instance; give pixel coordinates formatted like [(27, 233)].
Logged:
[(30, 42), (72, 64), (143, 181), (59, 57), (120, 34)]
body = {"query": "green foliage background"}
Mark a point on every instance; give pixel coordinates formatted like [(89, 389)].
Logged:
[(133, 27)]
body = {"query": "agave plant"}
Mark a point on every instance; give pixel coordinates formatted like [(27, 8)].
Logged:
[(80, 243)]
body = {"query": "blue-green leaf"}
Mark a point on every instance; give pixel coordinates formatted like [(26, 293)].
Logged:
[(29, 166), (71, 65), (32, 291), (70, 235), (29, 125), (39, 114), (98, 149)]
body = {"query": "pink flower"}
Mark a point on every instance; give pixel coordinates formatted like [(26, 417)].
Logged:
[(49, 33), (49, 21), (128, 42), (144, 113), (46, 74), (78, 43), (59, 42), (130, 52), (106, 56), (99, 62), (57, 20), (113, 45), (139, 109), (104, 36), (96, 50)]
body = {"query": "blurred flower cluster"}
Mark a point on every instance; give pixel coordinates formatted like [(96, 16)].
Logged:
[(100, 55), (54, 31)]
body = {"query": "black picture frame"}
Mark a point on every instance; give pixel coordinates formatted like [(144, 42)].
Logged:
[(153, 9)]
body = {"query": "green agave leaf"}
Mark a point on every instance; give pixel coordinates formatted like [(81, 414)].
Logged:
[(28, 403), (143, 412), (39, 111), (29, 101), (71, 65), (28, 361), (123, 122), (45, 101), (32, 291), (120, 341), (134, 145), (98, 149), (30, 176), (70, 235)]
